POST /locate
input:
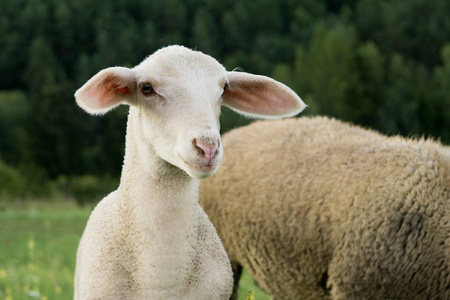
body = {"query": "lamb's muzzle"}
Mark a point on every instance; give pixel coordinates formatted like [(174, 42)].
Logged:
[(206, 150), (206, 159)]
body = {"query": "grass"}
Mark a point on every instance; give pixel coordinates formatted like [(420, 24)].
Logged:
[(248, 289), (38, 243), (37, 257)]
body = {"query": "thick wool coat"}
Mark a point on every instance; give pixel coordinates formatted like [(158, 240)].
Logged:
[(318, 209)]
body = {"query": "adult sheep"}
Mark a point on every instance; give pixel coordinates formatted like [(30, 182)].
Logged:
[(150, 239), (318, 209)]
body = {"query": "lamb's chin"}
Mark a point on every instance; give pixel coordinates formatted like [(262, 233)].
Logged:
[(200, 172)]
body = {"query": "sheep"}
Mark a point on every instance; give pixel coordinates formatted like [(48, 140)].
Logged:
[(150, 239), (315, 208)]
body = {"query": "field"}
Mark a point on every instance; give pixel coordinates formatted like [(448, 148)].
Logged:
[(38, 243)]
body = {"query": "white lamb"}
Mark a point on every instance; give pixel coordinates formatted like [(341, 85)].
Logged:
[(150, 239)]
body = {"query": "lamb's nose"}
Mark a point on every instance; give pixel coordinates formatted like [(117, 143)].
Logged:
[(208, 151)]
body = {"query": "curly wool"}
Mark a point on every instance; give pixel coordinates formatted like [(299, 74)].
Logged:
[(319, 209)]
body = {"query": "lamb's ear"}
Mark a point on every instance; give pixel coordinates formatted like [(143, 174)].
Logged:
[(106, 90), (260, 96)]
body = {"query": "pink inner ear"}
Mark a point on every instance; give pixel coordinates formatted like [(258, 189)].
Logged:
[(115, 84), (258, 97), (108, 92), (124, 90)]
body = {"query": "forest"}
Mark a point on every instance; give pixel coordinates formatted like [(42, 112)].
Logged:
[(382, 64)]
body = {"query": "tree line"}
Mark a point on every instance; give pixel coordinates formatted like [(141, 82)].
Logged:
[(383, 64)]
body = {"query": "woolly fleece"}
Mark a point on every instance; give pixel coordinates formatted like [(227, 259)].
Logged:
[(319, 209)]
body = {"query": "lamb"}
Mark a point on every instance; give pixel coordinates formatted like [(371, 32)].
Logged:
[(150, 239), (315, 208)]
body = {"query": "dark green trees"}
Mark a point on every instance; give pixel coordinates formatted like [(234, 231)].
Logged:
[(379, 63)]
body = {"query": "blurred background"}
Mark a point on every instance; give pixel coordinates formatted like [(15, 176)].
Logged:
[(382, 64)]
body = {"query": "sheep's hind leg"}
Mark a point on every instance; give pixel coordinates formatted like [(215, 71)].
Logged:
[(237, 272)]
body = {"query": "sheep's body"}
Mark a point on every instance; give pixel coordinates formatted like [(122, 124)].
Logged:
[(319, 209), (150, 239)]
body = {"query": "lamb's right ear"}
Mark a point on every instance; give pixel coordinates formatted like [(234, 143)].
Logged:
[(106, 90), (260, 97)]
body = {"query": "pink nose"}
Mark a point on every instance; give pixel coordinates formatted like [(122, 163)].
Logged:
[(206, 150)]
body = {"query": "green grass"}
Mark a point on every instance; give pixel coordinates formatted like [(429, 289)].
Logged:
[(247, 285), (38, 243), (38, 246)]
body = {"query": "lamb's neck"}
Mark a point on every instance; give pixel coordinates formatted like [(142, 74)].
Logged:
[(158, 196), (162, 215), (159, 192), (162, 192)]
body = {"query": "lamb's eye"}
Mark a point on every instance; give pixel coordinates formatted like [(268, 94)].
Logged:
[(147, 89), (225, 87)]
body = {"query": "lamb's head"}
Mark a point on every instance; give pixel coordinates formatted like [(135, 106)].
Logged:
[(176, 95)]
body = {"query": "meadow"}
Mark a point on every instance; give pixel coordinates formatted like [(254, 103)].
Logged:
[(38, 242)]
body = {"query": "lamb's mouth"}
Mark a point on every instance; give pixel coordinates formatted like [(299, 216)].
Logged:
[(204, 168)]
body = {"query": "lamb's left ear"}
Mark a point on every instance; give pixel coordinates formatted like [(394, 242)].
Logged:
[(260, 96), (106, 90)]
